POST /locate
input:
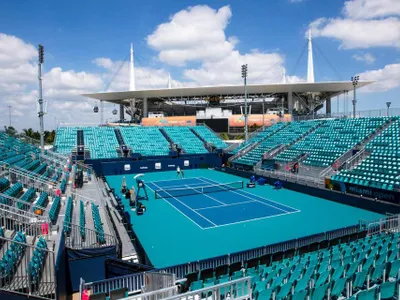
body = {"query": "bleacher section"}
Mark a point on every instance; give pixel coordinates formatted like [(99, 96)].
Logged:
[(206, 134), (98, 225), (68, 216), (55, 209), (331, 140), (148, 141), (36, 265), (65, 139), (259, 136), (284, 137), (184, 137), (82, 220), (361, 269), (101, 142), (381, 169)]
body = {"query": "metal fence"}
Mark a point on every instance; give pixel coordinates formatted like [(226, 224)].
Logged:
[(388, 224), (20, 277), (343, 115), (31, 225), (292, 177), (29, 179), (235, 289), (85, 238), (134, 283)]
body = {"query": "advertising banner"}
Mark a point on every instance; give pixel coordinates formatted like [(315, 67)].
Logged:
[(238, 120), (170, 121)]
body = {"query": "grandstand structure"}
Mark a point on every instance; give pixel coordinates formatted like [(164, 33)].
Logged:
[(301, 210), (302, 98), (59, 235)]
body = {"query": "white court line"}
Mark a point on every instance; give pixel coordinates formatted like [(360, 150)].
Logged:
[(177, 209), (250, 197), (255, 219), (192, 185), (232, 204), (187, 207), (175, 179), (201, 178), (223, 204)]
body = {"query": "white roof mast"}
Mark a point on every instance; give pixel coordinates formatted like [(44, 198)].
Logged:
[(310, 65)]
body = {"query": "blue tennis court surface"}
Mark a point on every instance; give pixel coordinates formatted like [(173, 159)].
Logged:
[(221, 208), (191, 228)]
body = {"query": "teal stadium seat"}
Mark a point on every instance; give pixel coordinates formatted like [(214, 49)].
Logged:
[(381, 169), (184, 137), (148, 141), (210, 137)]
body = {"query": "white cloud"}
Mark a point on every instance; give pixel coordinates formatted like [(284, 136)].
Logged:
[(198, 34), (354, 33), (193, 34), (368, 58), (386, 78), (367, 9), (14, 51), (262, 67)]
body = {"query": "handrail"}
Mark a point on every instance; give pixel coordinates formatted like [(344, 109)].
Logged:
[(16, 200), (182, 270), (243, 151), (349, 163)]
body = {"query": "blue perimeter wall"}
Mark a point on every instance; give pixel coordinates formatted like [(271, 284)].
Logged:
[(120, 166), (88, 264)]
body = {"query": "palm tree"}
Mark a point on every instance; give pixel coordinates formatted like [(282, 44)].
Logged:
[(28, 132)]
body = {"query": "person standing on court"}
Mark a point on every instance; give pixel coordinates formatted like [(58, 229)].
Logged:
[(183, 174), (178, 171)]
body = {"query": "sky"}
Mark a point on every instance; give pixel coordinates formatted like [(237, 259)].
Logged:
[(199, 43)]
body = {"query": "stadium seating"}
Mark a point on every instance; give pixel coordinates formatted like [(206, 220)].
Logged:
[(147, 141), (331, 140), (40, 169), (65, 139), (68, 216), (41, 203), (27, 197), (23, 163), (82, 220), (4, 184), (261, 135), (55, 209), (381, 169), (13, 191), (184, 137), (63, 185), (98, 225), (369, 266), (11, 258), (36, 265), (210, 137), (32, 165), (101, 142), (286, 136)]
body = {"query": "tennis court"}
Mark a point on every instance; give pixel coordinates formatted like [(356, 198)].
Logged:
[(215, 223), (211, 204)]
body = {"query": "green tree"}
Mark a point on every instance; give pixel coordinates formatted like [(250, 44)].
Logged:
[(10, 130), (28, 132)]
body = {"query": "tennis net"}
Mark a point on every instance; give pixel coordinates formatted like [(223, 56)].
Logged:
[(187, 191)]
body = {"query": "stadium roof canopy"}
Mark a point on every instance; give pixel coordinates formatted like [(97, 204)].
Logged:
[(328, 89)]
